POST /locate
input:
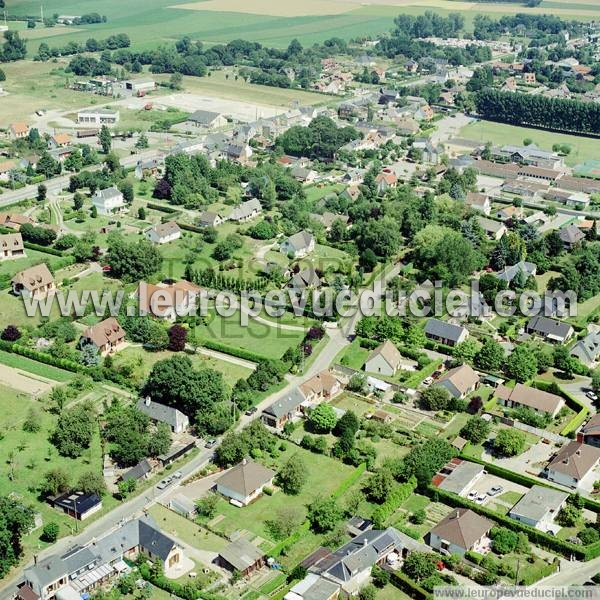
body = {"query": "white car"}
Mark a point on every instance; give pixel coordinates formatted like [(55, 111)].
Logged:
[(481, 498), (472, 495), (177, 475), (593, 397)]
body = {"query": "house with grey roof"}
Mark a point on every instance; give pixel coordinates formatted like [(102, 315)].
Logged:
[(210, 219), (163, 233), (305, 279), (140, 471), (298, 245), (587, 349), (84, 569), (538, 508), (288, 407), (108, 201), (241, 556), (571, 236), (445, 333), (494, 230), (313, 587), (528, 269), (458, 476), (350, 566), (552, 331), (246, 211), (523, 396), (206, 119), (161, 413), (245, 482)]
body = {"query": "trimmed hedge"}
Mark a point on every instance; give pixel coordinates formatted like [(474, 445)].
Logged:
[(43, 357), (395, 498), (192, 228), (166, 209), (408, 586), (233, 350), (45, 249)]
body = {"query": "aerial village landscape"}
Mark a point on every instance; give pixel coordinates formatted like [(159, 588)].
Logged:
[(299, 301)]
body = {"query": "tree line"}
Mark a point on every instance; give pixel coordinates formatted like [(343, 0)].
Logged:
[(538, 111)]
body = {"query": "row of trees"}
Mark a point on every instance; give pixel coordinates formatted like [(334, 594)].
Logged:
[(535, 110)]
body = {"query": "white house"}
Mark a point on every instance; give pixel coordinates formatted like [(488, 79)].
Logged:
[(574, 465), (461, 531), (300, 244), (167, 301), (538, 507), (161, 413), (108, 201), (385, 359), (245, 482), (163, 233)]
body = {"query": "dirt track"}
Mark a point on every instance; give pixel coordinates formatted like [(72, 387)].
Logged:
[(24, 382)]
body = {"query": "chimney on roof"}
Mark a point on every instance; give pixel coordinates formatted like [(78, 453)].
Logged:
[(147, 400)]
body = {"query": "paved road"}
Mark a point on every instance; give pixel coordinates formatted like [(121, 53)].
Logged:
[(57, 184), (572, 573)]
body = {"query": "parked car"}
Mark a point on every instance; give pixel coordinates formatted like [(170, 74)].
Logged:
[(210, 444), (592, 396), (164, 483), (251, 411), (177, 475), (473, 494), (481, 498), (495, 490)]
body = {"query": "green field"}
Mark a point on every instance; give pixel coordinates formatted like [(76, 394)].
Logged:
[(144, 362), (582, 148), (29, 455), (271, 342), (34, 367)]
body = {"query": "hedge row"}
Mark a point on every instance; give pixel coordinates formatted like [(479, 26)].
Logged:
[(162, 208), (43, 357), (395, 498), (192, 228), (45, 249), (408, 586), (233, 350), (535, 535)]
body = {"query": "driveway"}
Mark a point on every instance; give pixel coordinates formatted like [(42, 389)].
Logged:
[(487, 482)]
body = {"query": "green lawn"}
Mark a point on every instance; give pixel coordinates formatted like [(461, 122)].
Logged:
[(186, 530), (353, 356), (32, 455), (511, 497), (324, 477), (390, 592), (271, 342), (582, 148), (143, 361), (10, 267)]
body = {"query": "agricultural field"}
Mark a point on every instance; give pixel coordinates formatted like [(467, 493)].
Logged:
[(275, 24), (582, 148)]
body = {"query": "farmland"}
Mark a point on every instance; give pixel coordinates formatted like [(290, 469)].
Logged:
[(219, 21)]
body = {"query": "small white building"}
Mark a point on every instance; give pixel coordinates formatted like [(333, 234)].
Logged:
[(163, 233), (11, 246), (298, 245), (574, 465), (108, 201), (141, 84), (97, 116), (538, 507)]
